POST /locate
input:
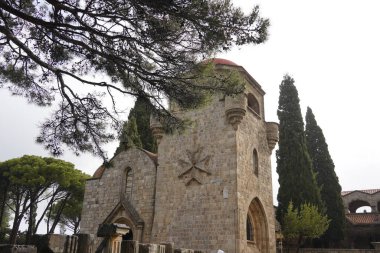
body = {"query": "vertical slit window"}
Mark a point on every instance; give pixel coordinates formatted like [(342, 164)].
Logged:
[(255, 160), (249, 229), (129, 183)]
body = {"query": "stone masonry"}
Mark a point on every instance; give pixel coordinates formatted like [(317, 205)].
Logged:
[(207, 188)]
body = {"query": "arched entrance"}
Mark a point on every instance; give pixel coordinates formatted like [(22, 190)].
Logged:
[(257, 227)]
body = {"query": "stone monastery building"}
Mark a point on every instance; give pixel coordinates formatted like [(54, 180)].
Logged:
[(208, 188)]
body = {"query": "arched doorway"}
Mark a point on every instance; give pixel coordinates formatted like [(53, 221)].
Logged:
[(257, 227)]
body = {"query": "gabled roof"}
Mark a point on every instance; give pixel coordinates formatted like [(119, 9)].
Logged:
[(369, 191), (99, 172), (363, 218)]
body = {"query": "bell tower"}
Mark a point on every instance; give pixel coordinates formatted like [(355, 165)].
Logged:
[(213, 182)]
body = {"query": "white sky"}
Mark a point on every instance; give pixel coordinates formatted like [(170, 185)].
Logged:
[(330, 48)]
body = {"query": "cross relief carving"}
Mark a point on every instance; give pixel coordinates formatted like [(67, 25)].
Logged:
[(195, 165)]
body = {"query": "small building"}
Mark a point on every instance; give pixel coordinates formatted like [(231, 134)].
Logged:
[(362, 228), (207, 188)]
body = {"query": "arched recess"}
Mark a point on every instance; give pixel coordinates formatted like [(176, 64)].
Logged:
[(128, 182), (255, 160), (253, 104), (354, 205), (259, 226)]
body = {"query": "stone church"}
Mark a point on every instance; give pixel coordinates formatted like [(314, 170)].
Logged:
[(206, 189)]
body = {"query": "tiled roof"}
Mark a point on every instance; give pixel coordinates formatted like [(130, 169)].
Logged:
[(363, 218), (223, 62), (99, 172), (369, 191)]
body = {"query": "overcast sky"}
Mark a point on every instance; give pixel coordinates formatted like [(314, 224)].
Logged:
[(330, 48)]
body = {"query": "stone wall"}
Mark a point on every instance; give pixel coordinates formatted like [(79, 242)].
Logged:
[(103, 195), (363, 199), (252, 187), (335, 251), (197, 209), (6, 248)]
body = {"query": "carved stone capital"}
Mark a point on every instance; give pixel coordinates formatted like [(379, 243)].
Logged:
[(235, 108), (156, 128), (235, 116)]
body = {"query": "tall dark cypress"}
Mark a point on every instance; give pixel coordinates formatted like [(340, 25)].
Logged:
[(129, 136), (326, 179), (294, 165), (141, 136), (141, 111)]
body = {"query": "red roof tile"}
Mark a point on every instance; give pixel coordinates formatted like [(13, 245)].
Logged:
[(99, 172), (363, 218), (223, 62)]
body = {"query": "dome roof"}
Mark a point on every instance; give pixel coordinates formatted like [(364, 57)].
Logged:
[(223, 61)]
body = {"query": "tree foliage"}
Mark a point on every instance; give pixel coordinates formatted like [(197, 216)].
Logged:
[(139, 115), (68, 212), (148, 49), (304, 222), (294, 166), (33, 179), (129, 136), (141, 112), (326, 179)]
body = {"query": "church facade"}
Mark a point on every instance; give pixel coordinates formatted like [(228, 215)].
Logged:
[(207, 188)]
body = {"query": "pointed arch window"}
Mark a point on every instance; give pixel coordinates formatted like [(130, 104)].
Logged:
[(253, 104), (250, 230), (255, 161), (128, 183)]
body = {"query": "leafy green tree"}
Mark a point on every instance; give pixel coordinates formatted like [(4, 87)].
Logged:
[(326, 179), (68, 209), (31, 180), (294, 166), (70, 214), (148, 49), (305, 222), (129, 136)]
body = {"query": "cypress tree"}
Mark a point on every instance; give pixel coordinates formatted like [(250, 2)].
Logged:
[(141, 112), (129, 136), (326, 179), (294, 166)]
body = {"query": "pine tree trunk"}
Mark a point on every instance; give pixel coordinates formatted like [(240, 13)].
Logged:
[(58, 216), (3, 203), (32, 223), (15, 227)]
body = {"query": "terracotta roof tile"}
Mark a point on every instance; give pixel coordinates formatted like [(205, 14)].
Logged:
[(99, 172), (363, 218), (223, 61)]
